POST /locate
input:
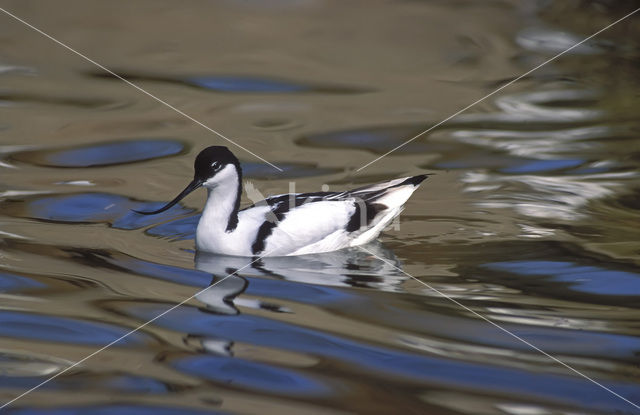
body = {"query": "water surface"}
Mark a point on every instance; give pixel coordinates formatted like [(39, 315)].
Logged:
[(531, 219)]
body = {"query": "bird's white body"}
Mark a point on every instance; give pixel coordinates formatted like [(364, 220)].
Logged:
[(317, 225)]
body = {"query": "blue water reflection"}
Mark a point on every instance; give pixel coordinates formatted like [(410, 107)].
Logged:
[(98, 207), (102, 154), (385, 361), (539, 166), (252, 375), (585, 278), (12, 283), (115, 383), (241, 83), (62, 329), (245, 84), (179, 229)]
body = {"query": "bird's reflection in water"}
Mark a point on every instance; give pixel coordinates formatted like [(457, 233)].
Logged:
[(374, 268)]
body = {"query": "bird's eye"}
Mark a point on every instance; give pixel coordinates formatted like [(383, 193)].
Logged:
[(215, 165)]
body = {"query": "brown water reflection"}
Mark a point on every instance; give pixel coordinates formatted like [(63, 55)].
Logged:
[(531, 219)]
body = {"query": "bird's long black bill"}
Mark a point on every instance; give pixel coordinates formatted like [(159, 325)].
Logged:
[(190, 188)]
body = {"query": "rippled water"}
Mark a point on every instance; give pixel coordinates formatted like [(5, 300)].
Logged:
[(531, 219)]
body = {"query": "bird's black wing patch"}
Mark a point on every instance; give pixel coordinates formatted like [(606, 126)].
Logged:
[(363, 214), (414, 180), (280, 206), (276, 215)]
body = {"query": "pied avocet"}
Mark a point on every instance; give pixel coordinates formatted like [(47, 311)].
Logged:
[(288, 224)]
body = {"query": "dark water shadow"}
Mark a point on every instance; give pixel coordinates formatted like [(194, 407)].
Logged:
[(378, 139), (77, 102)]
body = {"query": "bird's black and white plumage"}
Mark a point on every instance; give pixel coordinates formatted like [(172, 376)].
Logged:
[(288, 224)]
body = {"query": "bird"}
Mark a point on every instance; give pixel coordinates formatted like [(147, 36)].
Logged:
[(286, 224)]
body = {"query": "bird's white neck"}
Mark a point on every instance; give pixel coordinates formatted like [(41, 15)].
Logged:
[(223, 201)]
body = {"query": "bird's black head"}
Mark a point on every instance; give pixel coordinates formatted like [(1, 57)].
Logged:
[(211, 161), (213, 165)]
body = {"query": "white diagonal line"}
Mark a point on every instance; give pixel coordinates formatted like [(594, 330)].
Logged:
[(499, 89), (126, 335), (488, 320), (138, 88)]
